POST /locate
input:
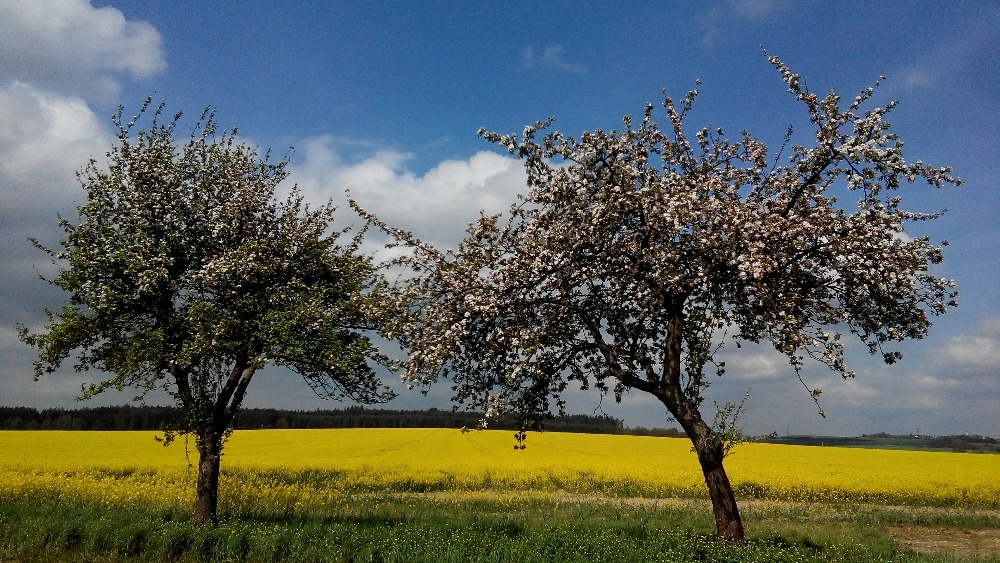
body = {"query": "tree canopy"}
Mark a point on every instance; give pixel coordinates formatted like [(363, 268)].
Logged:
[(187, 272), (636, 255)]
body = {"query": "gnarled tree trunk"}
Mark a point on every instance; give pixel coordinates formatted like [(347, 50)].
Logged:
[(206, 500), (214, 420), (728, 523)]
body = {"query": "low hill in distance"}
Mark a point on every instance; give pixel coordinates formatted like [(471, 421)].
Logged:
[(955, 443)]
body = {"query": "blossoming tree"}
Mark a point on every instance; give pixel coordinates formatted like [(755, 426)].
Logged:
[(637, 254), (186, 273)]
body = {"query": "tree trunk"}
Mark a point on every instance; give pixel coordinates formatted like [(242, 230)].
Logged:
[(728, 524), (709, 448), (206, 501)]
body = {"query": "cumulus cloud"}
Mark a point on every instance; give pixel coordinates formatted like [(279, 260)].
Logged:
[(550, 57), (55, 55), (44, 139), (436, 206), (754, 362), (978, 350), (69, 46)]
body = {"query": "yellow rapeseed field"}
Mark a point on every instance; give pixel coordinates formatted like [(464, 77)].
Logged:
[(304, 469)]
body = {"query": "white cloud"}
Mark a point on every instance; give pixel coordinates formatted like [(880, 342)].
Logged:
[(978, 350), (755, 362), (70, 46), (849, 392), (930, 382), (54, 55), (436, 206), (44, 139), (551, 57)]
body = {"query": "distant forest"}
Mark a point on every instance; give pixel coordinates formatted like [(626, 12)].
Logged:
[(129, 417), (956, 443)]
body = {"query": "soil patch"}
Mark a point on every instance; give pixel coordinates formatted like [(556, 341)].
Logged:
[(957, 542)]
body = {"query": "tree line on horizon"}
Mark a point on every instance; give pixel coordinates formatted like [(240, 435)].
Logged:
[(128, 417), (960, 443)]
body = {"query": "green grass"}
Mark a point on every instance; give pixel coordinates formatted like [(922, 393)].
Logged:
[(454, 528)]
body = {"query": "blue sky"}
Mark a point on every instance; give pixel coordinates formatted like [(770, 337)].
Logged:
[(385, 100)]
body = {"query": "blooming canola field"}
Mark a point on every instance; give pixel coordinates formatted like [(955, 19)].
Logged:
[(303, 470)]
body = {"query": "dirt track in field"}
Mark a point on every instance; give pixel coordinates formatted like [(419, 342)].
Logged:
[(948, 541)]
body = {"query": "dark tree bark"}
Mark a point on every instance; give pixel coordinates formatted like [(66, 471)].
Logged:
[(206, 501), (728, 523), (710, 449), (212, 424)]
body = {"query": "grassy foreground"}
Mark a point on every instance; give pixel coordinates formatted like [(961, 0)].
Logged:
[(440, 495), (507, 528)]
